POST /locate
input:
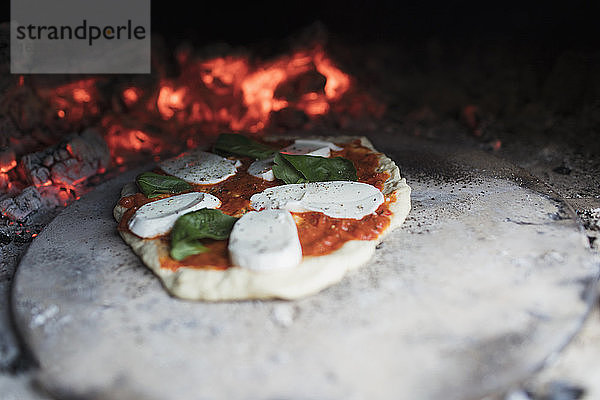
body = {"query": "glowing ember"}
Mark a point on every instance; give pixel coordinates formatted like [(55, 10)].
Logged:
[(337, 81), (5, 183), (170, 100), (44, 183), (81, 95), (313, 104), (73, 102), (119, 138), (139, 140), (240, 96), (164, 116), (472, 118), (219, 73), (64, 196), (7, 165), (130, 96)]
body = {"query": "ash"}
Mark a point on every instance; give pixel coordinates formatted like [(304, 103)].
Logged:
[(591, 219)]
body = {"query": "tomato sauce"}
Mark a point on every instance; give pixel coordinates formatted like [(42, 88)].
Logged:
[(365, 161), (235, 192), (217, 257), (132, 203), (318, 233)]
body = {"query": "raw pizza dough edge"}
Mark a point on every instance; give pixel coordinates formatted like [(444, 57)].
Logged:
[(311, 276)]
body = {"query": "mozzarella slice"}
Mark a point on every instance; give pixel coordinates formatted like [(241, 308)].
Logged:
[(158, 217), (337, 199), (309, 147), (263, 168), (200, 167), (265, 240)]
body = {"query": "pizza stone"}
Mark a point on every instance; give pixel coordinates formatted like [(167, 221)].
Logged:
[(312, 275)]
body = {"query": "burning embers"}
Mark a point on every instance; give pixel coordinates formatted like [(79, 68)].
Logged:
[(240, 96), (56, 173), (159, 115), (229, 94)]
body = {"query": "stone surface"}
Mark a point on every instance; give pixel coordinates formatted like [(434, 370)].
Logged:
[(20, 387), (14, 240), (485, 281)]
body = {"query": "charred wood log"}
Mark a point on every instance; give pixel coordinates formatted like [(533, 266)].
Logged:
[(20, 207), (55, 172), (69, 162)]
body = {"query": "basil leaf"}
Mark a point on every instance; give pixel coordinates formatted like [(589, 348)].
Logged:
[(240, 145), (152, 184), (302, 168), (201, 224), (185, 248), (284, 170)]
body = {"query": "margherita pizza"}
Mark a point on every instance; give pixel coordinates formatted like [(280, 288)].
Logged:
[(276, 218)]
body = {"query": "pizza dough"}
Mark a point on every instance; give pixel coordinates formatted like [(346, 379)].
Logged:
[(312, 275)]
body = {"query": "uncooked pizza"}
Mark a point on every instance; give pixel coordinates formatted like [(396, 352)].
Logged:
[(256, 219)]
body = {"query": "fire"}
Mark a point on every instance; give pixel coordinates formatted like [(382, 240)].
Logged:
[(259, 88), (121, 139), (7, 160), (80, 95), (235, 93), (337, 81), (131, 96), (47, 182), (239, 94), (5, 183), (313, 104), (64, 196), (222, 72), (258, 91), (139, 140), (8, 166), (158, 116), (170, 100), (74, 102)]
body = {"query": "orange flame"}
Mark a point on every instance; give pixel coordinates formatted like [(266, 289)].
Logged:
[(130, 96), (170, 100), (313, 104), (80, 95), (73, 101), (5, 183), (230, 93), (241, 96), (10, 165), (219, 73), (337, 81), (119, 138)]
